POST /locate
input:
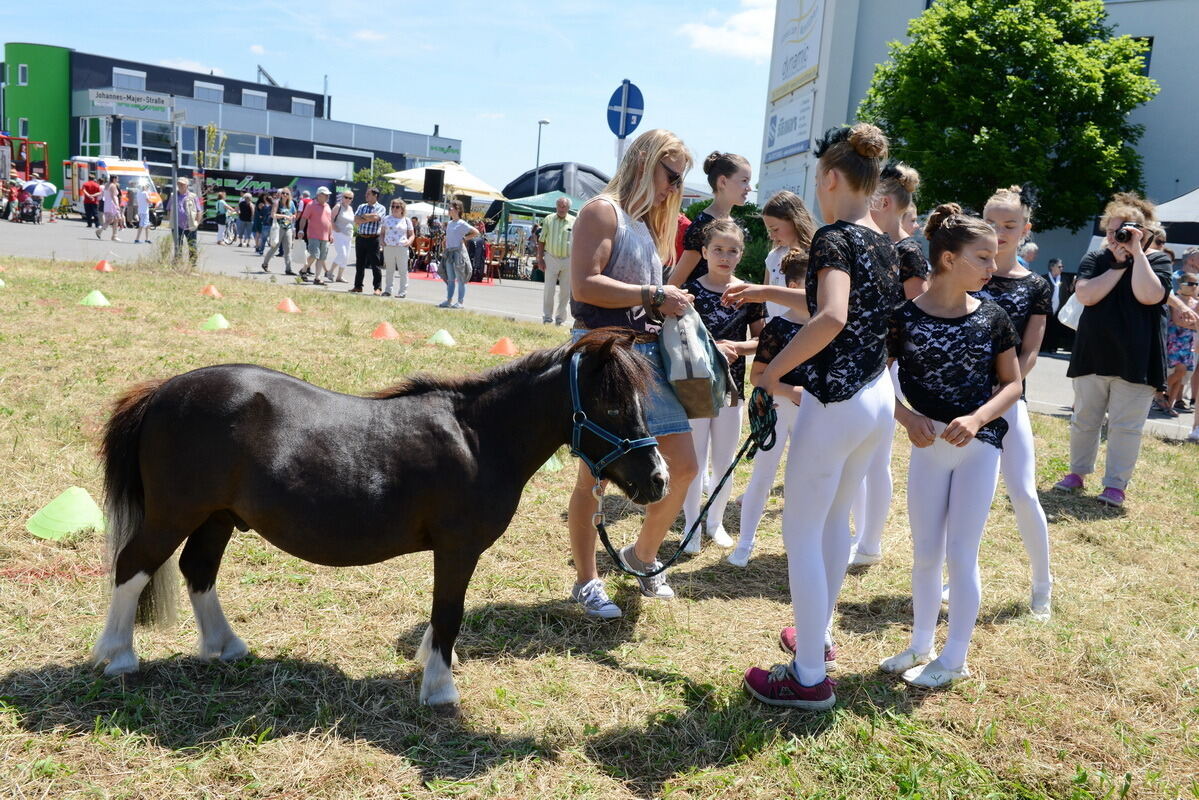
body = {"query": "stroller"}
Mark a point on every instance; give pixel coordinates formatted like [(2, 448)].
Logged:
[(30, 211)]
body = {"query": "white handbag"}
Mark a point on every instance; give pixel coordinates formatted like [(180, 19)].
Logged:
[(1070, 312), (697, 370)]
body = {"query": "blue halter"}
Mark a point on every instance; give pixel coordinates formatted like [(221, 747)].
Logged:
[(619, 446)]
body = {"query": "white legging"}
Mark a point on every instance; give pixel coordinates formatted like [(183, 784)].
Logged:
[(723, 434), (761, 480), (872, 503), (948, 504), (1019, 466), (831, 446)]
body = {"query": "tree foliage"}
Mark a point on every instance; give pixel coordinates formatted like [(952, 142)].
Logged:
[(373, 176), (990, 93)]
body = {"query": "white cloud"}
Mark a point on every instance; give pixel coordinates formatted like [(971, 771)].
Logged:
[(367, 35), (257, 49), (190, 65), (744, 34)]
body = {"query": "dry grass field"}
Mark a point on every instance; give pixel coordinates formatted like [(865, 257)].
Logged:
[(1101, 702)]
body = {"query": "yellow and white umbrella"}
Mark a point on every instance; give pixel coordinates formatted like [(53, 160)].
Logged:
[(457, 180)]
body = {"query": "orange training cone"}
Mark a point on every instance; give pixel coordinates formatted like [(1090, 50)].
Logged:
[(211, 291), (385, 331), (503, 347), (103, 266), (288, 306)]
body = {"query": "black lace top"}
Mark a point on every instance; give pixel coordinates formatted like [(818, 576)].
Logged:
[(1020, 298), (947, 365), (858, 354), (693, 239), (777, 334), (912, 263), (725, 322)]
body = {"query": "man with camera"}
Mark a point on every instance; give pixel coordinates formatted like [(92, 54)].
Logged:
[(1119, 357)]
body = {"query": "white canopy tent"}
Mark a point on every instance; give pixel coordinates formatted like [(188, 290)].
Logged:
[(457, 180), (425, 210)]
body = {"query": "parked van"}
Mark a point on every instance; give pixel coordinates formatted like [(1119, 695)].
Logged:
[(130, 175)]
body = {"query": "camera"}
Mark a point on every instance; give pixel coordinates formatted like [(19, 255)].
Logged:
[(1124, 234)]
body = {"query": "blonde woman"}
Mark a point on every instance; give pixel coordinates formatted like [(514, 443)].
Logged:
[(395, 237), (622, 238)]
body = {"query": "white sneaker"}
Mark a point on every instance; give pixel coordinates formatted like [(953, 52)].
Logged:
[(695, 545), (1041, 605), (720, 537), (905, 661), (934, 675), (595, 601), (455, 305), (654, 586), (1194, 435), (859, 558), (740, 556)]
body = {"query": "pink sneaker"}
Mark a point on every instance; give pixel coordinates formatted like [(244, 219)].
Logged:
[(778, 687), (787, 642), (1111, 496), (1070, 483)]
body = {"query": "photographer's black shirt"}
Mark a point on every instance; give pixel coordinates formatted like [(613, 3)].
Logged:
[(1119, 336)]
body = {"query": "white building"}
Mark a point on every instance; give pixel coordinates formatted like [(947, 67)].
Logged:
[(825, 53)]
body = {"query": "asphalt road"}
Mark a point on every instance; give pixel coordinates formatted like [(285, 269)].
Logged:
[(1049, 390)]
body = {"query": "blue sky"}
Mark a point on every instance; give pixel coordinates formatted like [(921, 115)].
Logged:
[(485, 72)]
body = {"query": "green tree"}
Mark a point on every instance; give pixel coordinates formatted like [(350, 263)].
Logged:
[(757, 244), (212, 156), (373, 176), (990, 93)]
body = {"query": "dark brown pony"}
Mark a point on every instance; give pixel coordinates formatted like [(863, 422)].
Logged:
[(431, 464)]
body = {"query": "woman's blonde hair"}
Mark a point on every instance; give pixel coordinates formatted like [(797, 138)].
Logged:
[(632, 187), (1012, 197), (1131, 207)]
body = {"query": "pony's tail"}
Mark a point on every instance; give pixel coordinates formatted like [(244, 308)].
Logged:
[(125, 504)]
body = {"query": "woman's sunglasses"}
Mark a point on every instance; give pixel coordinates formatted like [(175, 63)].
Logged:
[(673, 179), (1188, 283)]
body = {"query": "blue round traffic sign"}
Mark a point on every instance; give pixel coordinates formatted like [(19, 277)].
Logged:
[(625, 109)]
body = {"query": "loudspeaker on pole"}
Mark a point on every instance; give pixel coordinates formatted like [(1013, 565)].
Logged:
[(434, 185)]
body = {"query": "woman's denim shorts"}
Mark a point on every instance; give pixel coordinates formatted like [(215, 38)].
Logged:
[(664, 413)]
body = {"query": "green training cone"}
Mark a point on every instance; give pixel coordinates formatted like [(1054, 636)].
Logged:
[(216, 322), (95, 298), (553, 465), (71, 512), (443, 337)]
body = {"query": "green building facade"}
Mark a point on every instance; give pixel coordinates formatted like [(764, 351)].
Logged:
[(37, 99)]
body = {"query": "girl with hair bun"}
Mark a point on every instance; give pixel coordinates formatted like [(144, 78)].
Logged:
[(729, 175), (851, 292), (1028, 300), (897, 183), (953, 349)]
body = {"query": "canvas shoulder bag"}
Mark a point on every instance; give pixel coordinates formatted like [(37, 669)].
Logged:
[(697, 370)]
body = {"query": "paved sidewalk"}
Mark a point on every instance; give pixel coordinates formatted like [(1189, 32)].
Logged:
[(1049, 390)]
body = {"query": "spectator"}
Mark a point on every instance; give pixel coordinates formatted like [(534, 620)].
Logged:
[(1119, 356), (223, 212), (305, 200), (245, 219), (1180, 345), (681, 235), (317, 222), (396, 238), (263, 220), (368, 217), (143, 213), (1057, 335), (455, 266), (1028, 254), (112, 207), (283, 216), (184, 218), (553, 258), (90, 191), (343, 234)]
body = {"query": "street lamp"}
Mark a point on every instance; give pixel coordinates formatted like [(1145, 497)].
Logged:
[(537, 169)]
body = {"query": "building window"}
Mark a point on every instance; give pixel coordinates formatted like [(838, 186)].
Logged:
[(253, 99), (187, 146), (22, 75), (302, 107), (23, 128), (264, 145), (156, 134), (128, 79), (213, 92), (129, 134), (91, 136)]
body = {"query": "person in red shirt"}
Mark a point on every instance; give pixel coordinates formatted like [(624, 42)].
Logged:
[(90, 190), (684, 224)]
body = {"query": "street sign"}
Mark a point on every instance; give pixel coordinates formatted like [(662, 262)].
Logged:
[(178, 117), (625, 109)]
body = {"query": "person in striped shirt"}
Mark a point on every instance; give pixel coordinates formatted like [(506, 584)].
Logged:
[(553, 258), (367, 252)]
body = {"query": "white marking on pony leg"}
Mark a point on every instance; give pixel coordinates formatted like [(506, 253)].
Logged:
[(426, 647), (217, 639), (116, 642), (437, 685)]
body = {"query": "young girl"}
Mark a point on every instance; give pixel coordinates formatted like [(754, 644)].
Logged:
[(729, 176), (723, 245), (790, 228), (892, 200), (1180, 343), (909, 223), (1028, 300), (953, 349), (848, 400), (779, 331)]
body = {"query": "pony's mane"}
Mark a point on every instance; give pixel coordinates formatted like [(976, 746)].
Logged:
[(624, 373)]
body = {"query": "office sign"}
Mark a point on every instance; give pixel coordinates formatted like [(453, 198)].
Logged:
[(789, 127), (795, 59), (126, 99)]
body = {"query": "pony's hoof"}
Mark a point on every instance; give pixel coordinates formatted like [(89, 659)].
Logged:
[(234, 650), (441, 699), (122, 664)]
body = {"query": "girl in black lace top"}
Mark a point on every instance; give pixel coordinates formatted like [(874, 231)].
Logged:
[(730, 177), (1028, 300), (891, 201), (953, 351), (735, 329)]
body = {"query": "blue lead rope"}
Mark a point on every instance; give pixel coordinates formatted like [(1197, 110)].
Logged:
[(762, 436)]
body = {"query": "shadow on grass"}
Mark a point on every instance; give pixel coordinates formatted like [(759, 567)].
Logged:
[(1061, 506)]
